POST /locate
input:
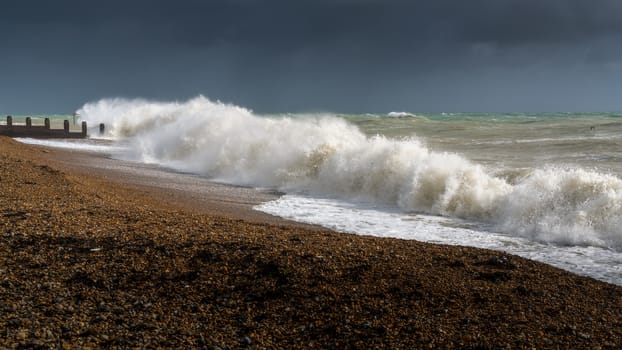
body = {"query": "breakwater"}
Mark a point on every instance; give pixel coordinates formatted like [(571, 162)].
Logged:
[(27, 129)]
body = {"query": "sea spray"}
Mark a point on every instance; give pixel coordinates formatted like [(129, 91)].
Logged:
[(327, 155), (566, 206)]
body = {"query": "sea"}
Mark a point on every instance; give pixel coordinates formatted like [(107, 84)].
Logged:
[(545, 186)]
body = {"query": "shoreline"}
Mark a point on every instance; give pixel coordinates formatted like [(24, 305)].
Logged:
[(198, 193), (188, 191), (87, 260)]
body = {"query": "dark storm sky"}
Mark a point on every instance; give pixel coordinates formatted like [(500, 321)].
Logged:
[(314, 55)]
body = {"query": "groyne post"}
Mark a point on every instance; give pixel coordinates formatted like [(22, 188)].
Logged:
[(27, 129)]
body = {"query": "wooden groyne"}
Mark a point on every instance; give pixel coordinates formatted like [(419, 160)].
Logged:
[(40, 131)]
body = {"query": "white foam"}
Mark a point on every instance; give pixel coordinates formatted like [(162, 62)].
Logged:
[(571, 207), (78, 145), (326, 155)]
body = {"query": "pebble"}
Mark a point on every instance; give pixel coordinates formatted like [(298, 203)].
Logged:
[(206, 281)]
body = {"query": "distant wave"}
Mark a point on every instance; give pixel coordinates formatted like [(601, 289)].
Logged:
[(400, 115), (327, 155)]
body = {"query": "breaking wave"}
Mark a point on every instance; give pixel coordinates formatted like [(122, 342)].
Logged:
[(327, 155)]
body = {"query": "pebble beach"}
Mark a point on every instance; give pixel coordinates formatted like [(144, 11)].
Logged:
[(93, 260)]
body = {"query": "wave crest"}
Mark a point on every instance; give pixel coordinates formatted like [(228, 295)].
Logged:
[(327, 155)]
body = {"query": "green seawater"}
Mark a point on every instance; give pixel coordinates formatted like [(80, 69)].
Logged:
[(513, 140), (507, 143)]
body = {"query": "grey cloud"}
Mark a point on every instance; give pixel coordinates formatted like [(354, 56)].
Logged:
[(508, 22), (280, 24), (276, 55)]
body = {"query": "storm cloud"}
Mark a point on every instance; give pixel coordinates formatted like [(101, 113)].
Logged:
[(315, 55)]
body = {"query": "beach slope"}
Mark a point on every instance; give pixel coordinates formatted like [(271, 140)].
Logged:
[(86, 262)]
